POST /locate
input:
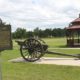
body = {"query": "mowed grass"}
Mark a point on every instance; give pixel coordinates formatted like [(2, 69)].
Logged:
[(55, 42), (31, 71)]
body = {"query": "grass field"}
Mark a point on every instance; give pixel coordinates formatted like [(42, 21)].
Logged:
[(30, 71), (56, 42)]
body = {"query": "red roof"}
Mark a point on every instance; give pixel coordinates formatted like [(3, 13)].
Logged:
[(74, 24), (74, 27), (76, 20)]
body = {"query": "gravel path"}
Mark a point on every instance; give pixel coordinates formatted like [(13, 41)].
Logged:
[(49, 60), (63, 48), (59, 61)]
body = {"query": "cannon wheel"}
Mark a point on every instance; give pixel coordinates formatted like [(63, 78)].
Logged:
[(32, 50)]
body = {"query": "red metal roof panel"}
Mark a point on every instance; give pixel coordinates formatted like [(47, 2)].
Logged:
[(74, 27), (76, 20)]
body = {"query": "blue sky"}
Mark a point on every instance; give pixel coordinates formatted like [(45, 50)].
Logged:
[(30, 14)]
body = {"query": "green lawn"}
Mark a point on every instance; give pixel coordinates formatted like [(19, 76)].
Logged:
[(30, 71), (55, 42)]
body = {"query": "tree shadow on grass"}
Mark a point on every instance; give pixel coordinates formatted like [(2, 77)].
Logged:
[(63, 46)]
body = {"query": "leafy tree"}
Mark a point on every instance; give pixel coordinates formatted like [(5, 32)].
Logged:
[(48, 32), (30, 34), (56, 32), (36, 31), (19, 33)]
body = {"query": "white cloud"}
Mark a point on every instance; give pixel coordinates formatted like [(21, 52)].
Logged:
[(33, 13)]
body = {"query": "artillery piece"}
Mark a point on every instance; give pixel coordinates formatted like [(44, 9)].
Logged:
[(33, 49)]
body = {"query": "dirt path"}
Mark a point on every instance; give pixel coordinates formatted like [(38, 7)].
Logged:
[(59, 61), (49, 60)]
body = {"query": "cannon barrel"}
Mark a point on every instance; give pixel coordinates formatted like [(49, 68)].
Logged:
[(20, 42)]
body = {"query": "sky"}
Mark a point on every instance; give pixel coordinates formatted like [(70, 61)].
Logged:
[(30, 14)]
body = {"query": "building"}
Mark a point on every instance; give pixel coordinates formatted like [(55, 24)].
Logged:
[(73, 33)]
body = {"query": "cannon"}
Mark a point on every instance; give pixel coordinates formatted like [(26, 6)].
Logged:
[(33, 49)]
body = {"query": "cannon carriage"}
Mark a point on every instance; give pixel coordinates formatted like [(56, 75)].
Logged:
[(33, 49)]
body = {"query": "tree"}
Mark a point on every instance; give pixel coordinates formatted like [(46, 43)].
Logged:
[(36, 31), (30, 34), (48, 32), (19, 33), (56, 32)]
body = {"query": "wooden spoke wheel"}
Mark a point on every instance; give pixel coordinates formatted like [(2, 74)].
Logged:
[(32, 50)]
